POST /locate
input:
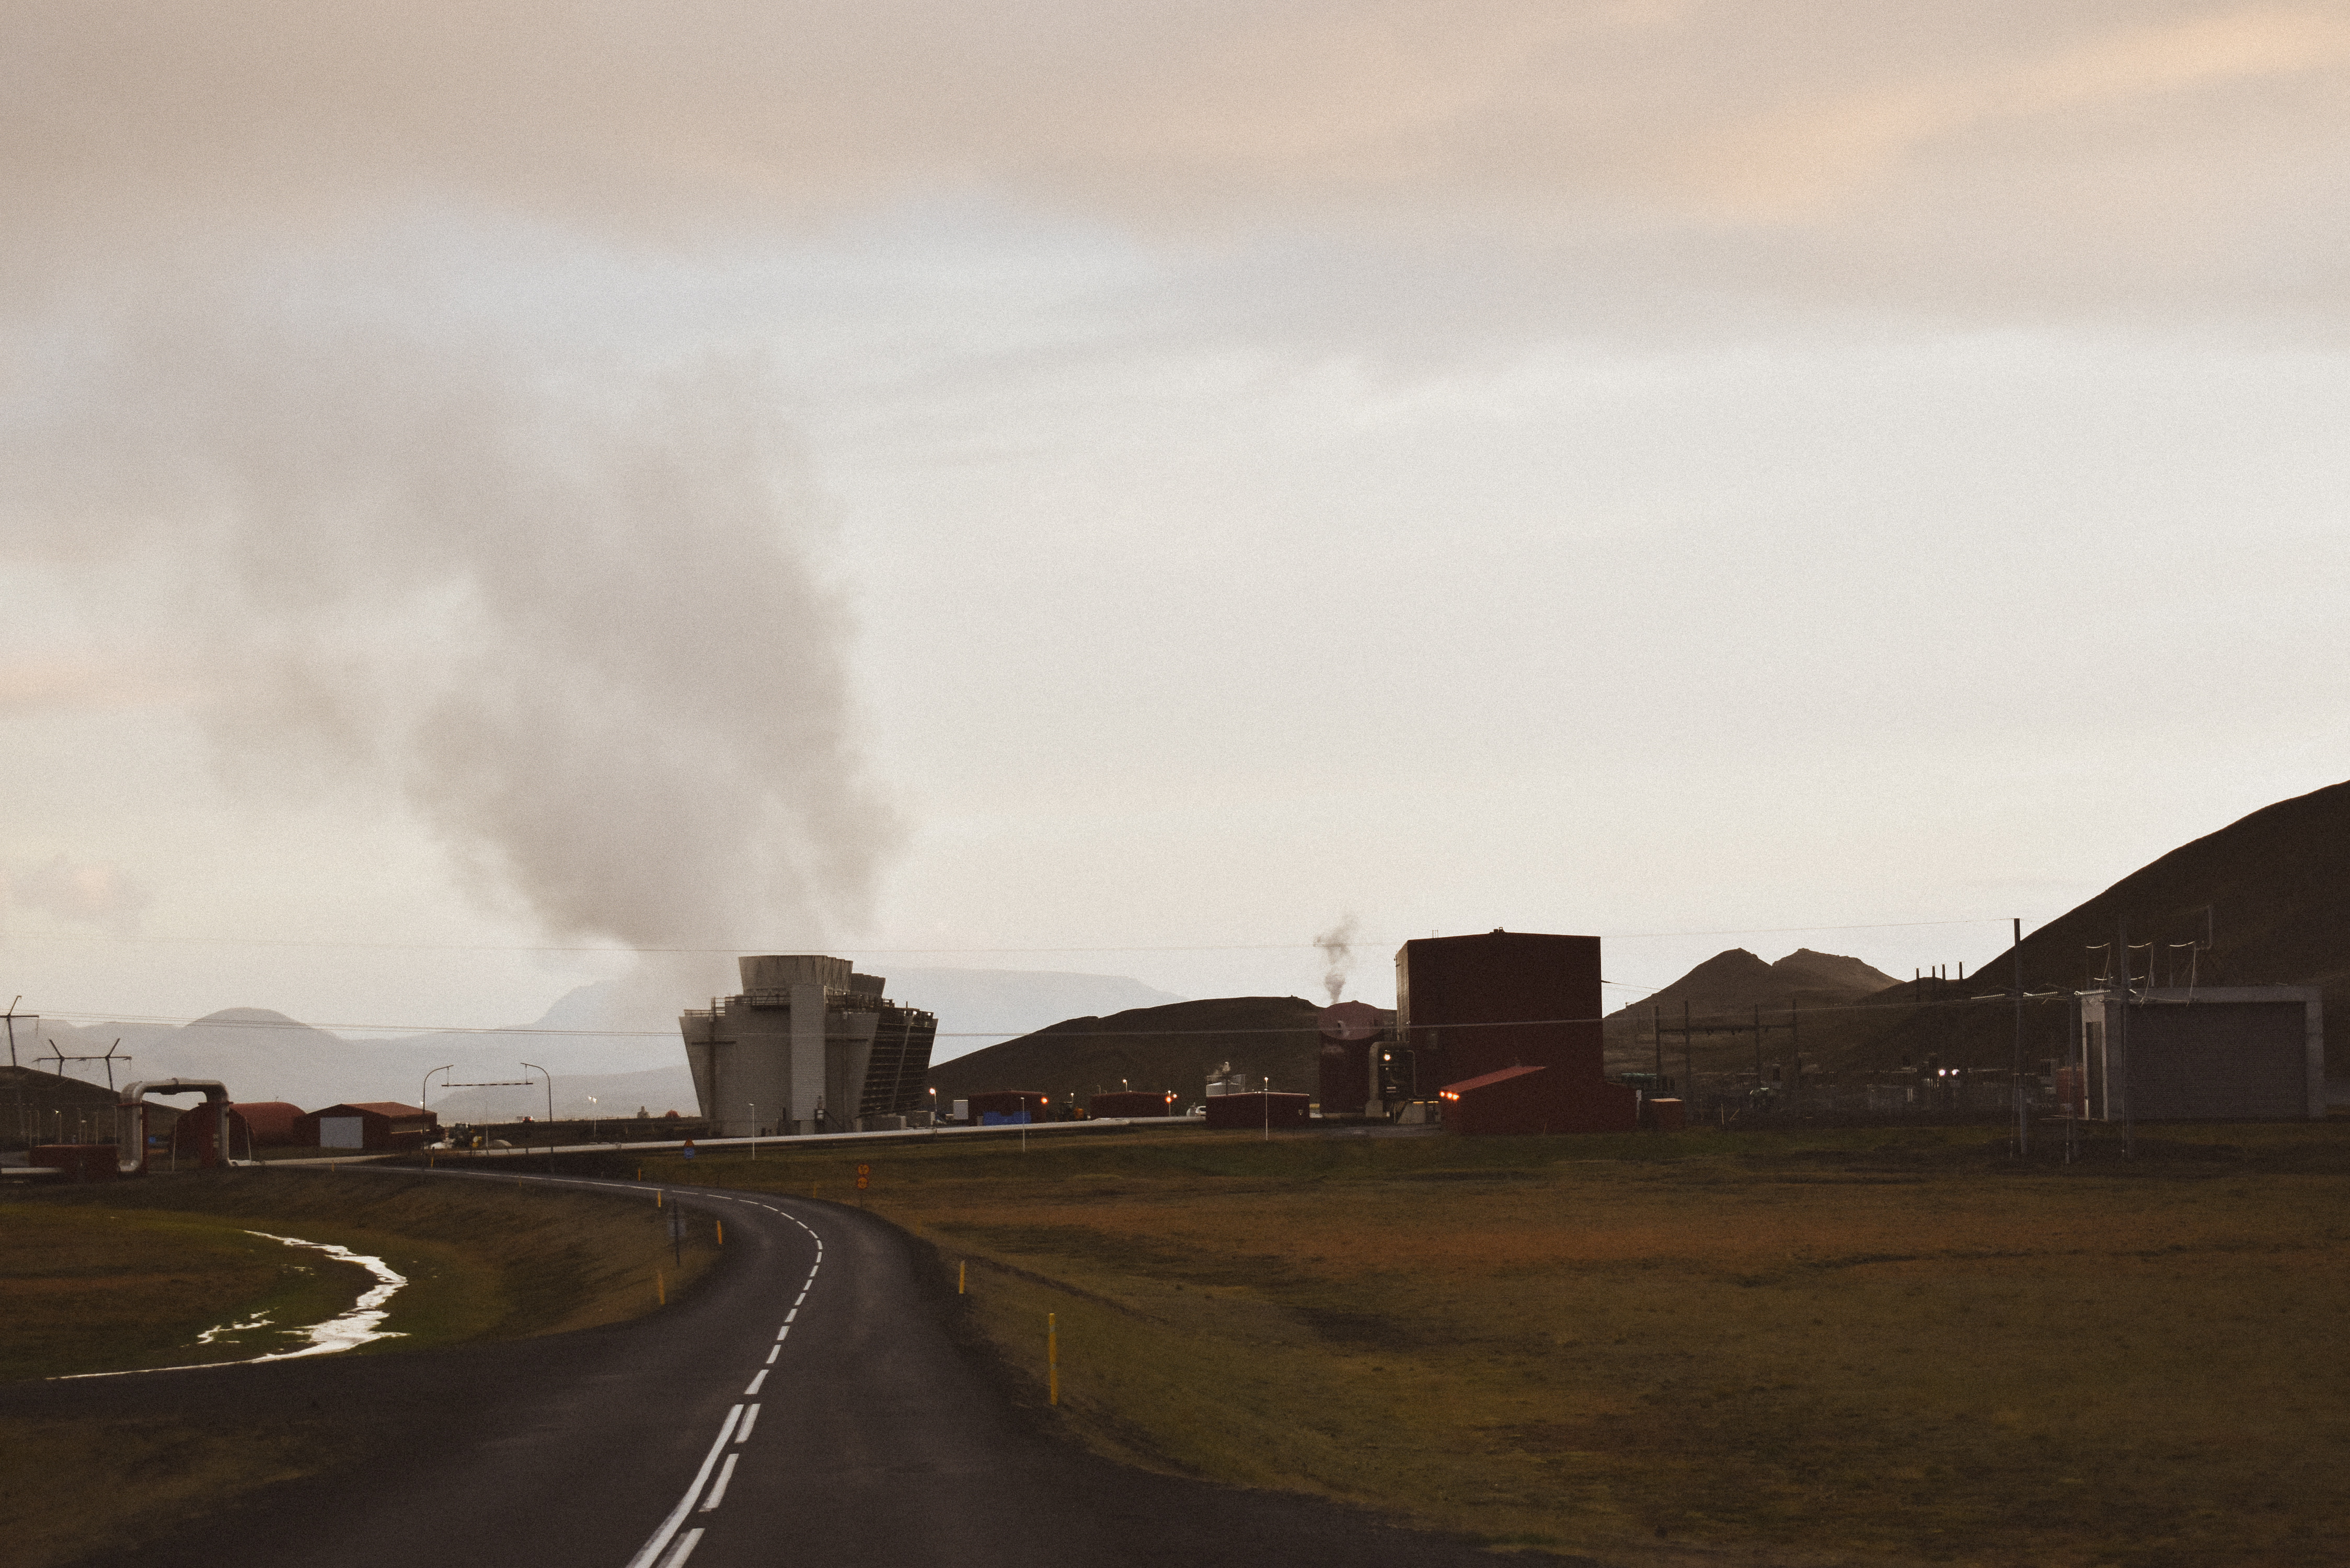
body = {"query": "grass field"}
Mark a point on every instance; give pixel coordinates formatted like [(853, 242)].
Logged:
[(130, 1274), (1872, 1346)]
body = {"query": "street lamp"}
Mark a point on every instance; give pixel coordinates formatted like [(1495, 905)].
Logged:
[(425, 1087), (592, 1118), (550, 1106)]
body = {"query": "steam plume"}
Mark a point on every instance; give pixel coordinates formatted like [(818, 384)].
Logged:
[(1338, 945), (583, 636)]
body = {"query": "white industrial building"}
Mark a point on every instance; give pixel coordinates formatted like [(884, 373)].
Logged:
[(809, 1046), (2253, 1053)]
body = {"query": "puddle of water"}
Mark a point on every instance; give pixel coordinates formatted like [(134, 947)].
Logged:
[(358, 1324), (259, 1320)]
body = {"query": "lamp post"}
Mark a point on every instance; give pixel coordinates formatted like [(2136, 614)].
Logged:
[(1268, 1107), (423, 1089), (592, 1101), (550, 1107), (754, 1127)]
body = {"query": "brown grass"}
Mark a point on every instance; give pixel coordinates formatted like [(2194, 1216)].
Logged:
[(126, 1275), (1864, 1348)]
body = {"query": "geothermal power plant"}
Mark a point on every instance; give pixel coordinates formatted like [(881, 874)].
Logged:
[(808, 1046)]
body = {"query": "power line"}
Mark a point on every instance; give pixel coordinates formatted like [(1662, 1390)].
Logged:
[(740, 948), (510, 1030)]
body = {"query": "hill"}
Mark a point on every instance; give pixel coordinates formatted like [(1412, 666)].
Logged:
[(1729, 987), (1172, 1047), (2264, 900)]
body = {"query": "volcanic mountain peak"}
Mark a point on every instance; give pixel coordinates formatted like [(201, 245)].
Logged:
[(1832, 970), (1738, 981)]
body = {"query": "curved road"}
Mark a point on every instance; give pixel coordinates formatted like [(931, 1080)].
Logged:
[(805, 1406)]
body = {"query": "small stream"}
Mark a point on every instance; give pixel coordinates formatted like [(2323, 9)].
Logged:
[(357, 1325)]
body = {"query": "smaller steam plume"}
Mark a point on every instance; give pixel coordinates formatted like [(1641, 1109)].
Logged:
[(1338, 945)]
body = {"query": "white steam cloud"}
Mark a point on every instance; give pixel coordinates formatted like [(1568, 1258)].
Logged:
[(1338, 945), (581, 628)]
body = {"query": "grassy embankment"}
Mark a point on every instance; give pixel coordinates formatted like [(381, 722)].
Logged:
[(130, 1274), (1856, 1346)]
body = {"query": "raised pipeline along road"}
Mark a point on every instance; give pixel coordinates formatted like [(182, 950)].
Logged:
[(805, 1405)]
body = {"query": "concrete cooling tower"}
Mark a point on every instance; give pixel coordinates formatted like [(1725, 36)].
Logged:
[(809, 1046)]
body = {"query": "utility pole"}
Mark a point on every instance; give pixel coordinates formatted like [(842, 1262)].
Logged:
[(12, 1016), (2120, 1032), (1758, 1045), (1657, 1038), (1689, 1065), (550, 1110), (2022, 1118)]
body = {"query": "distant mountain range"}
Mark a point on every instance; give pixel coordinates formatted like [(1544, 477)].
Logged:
[(587, 1040)]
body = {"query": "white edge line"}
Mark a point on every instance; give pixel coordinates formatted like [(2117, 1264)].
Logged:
[(685, 1545), (651, 1550), (750, 1419), (718, 1488)]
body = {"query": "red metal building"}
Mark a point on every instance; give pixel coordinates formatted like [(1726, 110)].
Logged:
[(1352, 1033), (1260, 1110), (80, 1161), (1472, 1008), (1132, 1103), (367, 1125), (263, 1124)]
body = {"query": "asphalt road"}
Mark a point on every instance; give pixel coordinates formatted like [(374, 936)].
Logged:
[(805, 1405)]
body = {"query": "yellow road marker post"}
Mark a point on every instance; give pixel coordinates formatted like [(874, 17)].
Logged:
[(721, 1233), (661, 1288), (959, 1270)]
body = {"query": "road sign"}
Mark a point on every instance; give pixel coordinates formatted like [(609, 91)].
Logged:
[(864, 1177)]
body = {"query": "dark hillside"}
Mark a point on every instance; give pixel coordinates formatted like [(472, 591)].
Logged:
[(2273, 890), (2277, 887), (1727, 987), (1170, 1047)]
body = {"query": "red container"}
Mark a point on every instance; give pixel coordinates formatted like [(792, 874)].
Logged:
[(2073, 1091), (1132, 1103), (1016, 1104), (1666, 1115), (80, 1161), (1244, 1111)]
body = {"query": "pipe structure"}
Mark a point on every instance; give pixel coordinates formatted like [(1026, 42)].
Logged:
[(131, 1117)]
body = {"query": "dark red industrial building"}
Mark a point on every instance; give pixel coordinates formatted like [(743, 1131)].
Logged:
[(263, 1124), (1354, 1034), (367, 1125), (1472, 1008), (1260, 1110), (1132, 1103), (80, 1161)]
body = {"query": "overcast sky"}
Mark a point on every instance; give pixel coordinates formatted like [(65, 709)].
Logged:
[(1067, 485)]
